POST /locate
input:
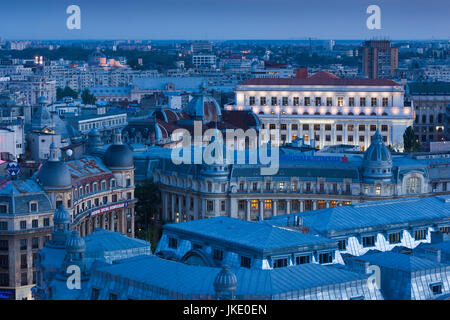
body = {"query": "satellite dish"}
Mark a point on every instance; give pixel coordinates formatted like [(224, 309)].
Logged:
[(69, 152)]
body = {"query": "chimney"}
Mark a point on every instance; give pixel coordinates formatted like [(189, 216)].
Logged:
[(301, 73)]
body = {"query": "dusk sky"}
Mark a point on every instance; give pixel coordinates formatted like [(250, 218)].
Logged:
[(224, 19)]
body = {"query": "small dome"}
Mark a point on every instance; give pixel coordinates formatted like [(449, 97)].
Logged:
[(377, 162), (225, 280), (377, 151), (75, 244), (204, 107), (62, 216), (118, 155), (54, 174)]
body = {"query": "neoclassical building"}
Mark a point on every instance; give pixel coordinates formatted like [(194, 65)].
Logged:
[(327, 109), (98, 189), (306, 180)]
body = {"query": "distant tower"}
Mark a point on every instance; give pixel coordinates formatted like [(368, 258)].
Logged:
[(379, 59)]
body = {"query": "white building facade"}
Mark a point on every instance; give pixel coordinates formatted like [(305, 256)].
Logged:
[(328, 109)]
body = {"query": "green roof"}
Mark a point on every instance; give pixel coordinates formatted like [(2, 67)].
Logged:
[(429, 88)]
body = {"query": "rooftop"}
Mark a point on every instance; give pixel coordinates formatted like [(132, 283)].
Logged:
[(262, 238)]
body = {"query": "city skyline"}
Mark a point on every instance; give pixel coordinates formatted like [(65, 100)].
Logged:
[(204, 20)]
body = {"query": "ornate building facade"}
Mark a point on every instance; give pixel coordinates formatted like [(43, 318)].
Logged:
[(305, 181), (327, 109)]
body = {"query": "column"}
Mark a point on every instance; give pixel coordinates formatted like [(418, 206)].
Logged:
[(233, 208), (274, 208), (172, 208), (111, 221), (301, 205), (132, 221), (327, 204), (261, 210), (247, 213), (180, 214), (288, 206), (314, 203), (195, 208), (102, 221), (289, 133), (124, 221)]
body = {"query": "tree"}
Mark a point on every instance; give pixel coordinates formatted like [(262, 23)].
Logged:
[(87, 97), (410, 141), (66, 92), (147, 209)]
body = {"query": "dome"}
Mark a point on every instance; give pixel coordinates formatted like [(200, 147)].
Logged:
[(225, 281), (377, 162), (377, 151), (42, 100), (203, 107), (118, 155), (54, 173), (62, 216), (75, 244)]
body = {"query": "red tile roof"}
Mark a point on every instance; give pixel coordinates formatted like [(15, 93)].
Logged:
[(321, 78)]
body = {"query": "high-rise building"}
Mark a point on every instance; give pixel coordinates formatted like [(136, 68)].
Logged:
[(379, 59)]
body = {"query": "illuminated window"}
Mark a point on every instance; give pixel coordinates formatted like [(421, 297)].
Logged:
[(420, 234), (281, 186), (378, 190), (318, 101), (413, 185), (321, 204), (252, 101), (395, 237), (254, 204), (267, 204), (296, 101), (340, 101), (329, 101), (262, 101), (334, 203)]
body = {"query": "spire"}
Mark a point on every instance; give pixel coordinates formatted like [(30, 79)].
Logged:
[(54, 153), (117, 137)]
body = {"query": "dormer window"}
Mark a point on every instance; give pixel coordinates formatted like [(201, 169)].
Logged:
[(3, 208), (436, 288), (113, 183), (33, 207)]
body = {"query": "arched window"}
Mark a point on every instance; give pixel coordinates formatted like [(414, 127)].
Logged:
[(413, 185)]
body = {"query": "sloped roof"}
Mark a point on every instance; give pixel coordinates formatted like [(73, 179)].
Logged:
[(249, 235), (105, 241), (322, 78), (403, 262), (185, 279), (373, 214)]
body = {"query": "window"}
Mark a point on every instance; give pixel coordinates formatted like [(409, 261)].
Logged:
[(445, 229), (4, 245), (385, 102), (362, 127), (285, 101), (222, 205), (361, 138), (296, 101), (307, 101), (33, 207), (342, 244), (318, 101), (351, 101), (4, 279), (283, 126), (280, 263), (436, 288), (262, 101), (294, 127), (329, 101), (420, 234), (173, 243), (254, 204), (272, 126), (274, 101), (340, 101), (252, 101), (339, 127), (197, 246), (384, 128), (302, 259), (23, 225), (350, 127), (246, 262), (325, 258), (413, 185), (378, 190), (218, 254), (267, 204), (368, 241), (373, 102), (362, 102), (281, 186), (3, 225), (24, 279), (3, 208), (317, 127), (209, 205), (23, 261), (23, 244), (395, 237), (4, 261), (35, 243), (112, 296), (95, 294), (46, 222), (306, 127)]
